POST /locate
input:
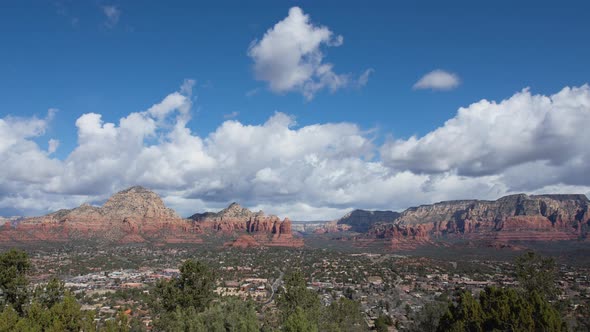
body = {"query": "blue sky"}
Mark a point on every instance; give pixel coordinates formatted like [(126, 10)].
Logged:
[(71, 56)]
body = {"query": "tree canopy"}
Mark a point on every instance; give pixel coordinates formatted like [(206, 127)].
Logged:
[(194, 288), (49, 307), (501, 309), (14, 265), (536, 273)]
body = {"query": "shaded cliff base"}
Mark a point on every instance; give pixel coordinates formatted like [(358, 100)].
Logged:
[(568, 252), (573, 252)]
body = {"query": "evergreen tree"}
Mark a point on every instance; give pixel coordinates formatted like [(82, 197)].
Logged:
[(296, 295), (14, 265), (501, 310), (428, 318), (467, 315), (8, 319), (506, 310), (51, 293), (343, 315), (298, 321), (230, 315), (382, 323), (545, 316), (194, 288), (537, 274)]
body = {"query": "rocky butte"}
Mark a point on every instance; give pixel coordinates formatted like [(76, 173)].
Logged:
[(259, 229), (130, 216), (362, 220), (137, 215), (511, 218)]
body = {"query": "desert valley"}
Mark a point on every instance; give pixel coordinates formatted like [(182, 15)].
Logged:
[(400, 267), (138, 215), (294, 166)]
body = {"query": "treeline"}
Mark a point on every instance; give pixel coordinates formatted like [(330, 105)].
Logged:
[(50, 307), (186, 303), (189, 303), (525, 308)]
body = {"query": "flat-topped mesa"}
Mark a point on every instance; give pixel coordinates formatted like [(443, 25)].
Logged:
[(514, 217), (362, 220)]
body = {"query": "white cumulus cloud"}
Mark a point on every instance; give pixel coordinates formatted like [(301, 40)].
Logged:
[(525, 132), (23, 163), (289, 57), (112, 14), (438, 80), (52, 145), (531, 143)]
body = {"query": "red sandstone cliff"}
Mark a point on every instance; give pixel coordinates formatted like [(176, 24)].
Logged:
[(265, 230), (132, 215), (362, 220), (511, 218)]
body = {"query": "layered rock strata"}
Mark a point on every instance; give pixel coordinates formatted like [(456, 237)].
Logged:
[(130, 216), (267, 230), (511, 218), (362, 220)]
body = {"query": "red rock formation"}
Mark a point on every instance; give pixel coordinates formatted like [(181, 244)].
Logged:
[(130, 216), (510, 218), (266, 230), (244, 241), (285, 227), (332, 227), (362, 220)]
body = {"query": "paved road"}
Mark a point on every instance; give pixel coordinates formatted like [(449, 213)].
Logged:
[(274, 287)]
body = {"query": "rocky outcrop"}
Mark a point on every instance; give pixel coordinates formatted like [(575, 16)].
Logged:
[(312, 226), (244, 241), (10, 220), (137, 203), (332, 227), (233, 211), (511, 218), (362, 220), (267, 230), (130, 216)]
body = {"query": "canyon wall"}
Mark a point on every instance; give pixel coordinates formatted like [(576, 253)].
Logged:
[(511, 218), (362, 220)]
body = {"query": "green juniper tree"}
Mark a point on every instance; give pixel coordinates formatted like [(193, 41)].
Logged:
[(14, 265), (501, 309), (537, 274)]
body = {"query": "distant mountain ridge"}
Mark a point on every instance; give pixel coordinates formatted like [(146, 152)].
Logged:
[(137, 215), (555, 207), (234, 210), (517, 217), (362, 220), (266, 229), (133, 215), (132, 203)]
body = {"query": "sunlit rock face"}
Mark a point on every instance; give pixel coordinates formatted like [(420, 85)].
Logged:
[(511, 218), (133, 215), (267, 230)]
